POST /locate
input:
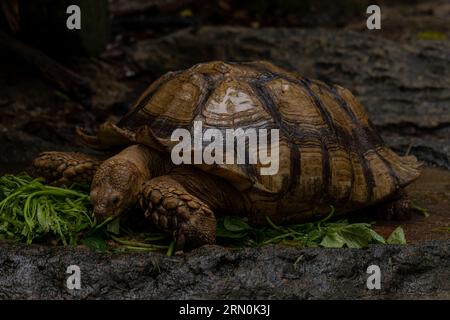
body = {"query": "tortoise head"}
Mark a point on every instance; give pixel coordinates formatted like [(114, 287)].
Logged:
[(115, 187)]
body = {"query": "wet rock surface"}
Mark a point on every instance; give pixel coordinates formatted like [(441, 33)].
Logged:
[(211, 272), (19, 148)]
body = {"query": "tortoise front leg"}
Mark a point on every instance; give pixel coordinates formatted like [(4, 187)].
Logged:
[(183, 205), (176, 211), (63, 168)]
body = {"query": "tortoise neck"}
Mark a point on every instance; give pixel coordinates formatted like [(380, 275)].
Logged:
[(149, 162), (157, 162)]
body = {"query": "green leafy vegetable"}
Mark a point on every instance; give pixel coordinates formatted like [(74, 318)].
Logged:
[(356, 235), (235, 231), (397, 236), (95, 242), (376, 237), (171, 249), (443, 229), (114, 226), (423, 211), (31, 210), (234, 224)]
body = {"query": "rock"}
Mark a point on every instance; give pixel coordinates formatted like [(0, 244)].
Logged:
[(18, 149), (213, 272), (404, 87)]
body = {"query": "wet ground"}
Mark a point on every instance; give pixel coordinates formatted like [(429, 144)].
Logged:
[(431, 192)]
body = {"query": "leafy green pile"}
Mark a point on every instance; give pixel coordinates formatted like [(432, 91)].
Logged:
[(338, 234), (111, 235), (33, 211)]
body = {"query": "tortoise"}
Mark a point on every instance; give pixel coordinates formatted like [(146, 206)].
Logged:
[(329, 153)]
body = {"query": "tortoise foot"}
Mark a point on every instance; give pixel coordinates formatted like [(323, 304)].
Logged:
[(174, 210), (399, 209), (63, 168)]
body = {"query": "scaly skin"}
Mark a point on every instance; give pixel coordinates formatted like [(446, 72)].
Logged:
[(174, 210), (119, 179), (63, 168), (180, 201)]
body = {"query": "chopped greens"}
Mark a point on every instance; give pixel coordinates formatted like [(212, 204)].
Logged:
[(397, 237), (235, 231), (32, 211), (421, 210)]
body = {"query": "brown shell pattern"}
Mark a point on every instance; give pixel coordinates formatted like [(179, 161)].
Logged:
[(329, 149)]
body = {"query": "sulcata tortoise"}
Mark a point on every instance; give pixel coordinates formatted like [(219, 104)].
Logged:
[(329, 153)]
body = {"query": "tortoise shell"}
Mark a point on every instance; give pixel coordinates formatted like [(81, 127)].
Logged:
[(330, 153)]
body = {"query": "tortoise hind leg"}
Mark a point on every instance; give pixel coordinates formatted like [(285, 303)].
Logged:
[(62, 168), (398, 208)]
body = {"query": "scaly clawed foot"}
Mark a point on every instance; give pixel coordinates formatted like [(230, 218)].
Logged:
[(61, 168), (177, 212)]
